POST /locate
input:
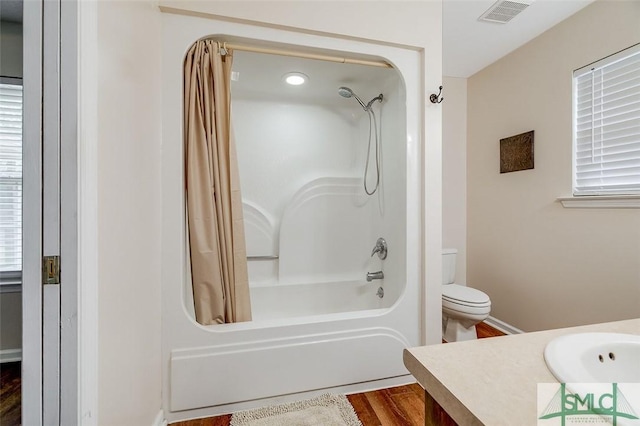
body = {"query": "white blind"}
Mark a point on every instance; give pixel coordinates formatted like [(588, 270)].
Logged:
[(607, 125), (10, 177)]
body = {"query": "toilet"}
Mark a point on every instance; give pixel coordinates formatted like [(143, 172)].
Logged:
[(462, 307)]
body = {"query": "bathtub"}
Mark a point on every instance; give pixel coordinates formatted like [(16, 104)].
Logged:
[(315, 300), (300, 342)]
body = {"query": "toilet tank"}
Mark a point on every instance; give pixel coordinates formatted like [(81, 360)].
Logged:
[(449, 266)]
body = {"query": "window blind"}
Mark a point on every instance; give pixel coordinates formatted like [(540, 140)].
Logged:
[(10, 178), (607, 125)]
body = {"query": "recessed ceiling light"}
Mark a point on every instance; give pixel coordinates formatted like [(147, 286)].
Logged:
[(295, 78)]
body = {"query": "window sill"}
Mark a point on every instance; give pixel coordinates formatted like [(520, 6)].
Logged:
[(10, 288), (10, 282), (601, 202)]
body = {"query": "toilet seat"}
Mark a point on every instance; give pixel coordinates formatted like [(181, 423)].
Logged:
[(465, 300), (467, 312), (464, 295)]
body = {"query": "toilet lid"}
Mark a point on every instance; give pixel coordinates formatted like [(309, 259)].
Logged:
[(464, 295)]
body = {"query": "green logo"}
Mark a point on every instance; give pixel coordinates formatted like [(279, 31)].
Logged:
[(610, 405)]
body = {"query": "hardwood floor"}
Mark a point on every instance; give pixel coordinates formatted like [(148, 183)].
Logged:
[(398, 406), (10, 394), (224, 420), (484, 330)]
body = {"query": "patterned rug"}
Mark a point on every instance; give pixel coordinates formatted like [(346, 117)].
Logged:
[(325, 410)]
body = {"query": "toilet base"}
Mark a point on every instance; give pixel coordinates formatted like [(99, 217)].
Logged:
[(454, 331)]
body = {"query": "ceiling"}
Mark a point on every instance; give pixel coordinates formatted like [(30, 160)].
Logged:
[(468, 44), (259, 76)]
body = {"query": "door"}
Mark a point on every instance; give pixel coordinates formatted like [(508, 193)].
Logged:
[(32, 355), (50, 338)]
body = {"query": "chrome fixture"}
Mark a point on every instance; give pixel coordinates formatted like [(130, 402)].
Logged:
[(346, 92), (380, 248), (375, 276), (380, 292)]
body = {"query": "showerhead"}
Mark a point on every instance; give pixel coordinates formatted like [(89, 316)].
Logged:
[(345, 92)]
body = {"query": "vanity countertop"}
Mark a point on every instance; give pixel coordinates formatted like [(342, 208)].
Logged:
[(493, 381)]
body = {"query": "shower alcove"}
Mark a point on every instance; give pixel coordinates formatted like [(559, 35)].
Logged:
[(317, 325)]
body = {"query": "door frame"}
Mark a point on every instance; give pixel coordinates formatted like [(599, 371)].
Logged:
[(87, 61)]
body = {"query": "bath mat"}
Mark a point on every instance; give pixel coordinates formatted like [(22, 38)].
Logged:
[(325, 410)]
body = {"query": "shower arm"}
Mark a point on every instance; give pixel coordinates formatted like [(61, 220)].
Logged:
[(377, 98), (366, 107)]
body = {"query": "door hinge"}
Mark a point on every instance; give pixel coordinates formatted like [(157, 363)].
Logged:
[(51, 270)]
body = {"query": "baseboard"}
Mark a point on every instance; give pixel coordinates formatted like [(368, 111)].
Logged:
[(502, 326), (10, 355), (160, 420)]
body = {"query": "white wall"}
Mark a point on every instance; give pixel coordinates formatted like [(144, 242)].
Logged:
[(129, 213), (286, 152), (379, 20), (454, 171), (545, 266), (282, 146)]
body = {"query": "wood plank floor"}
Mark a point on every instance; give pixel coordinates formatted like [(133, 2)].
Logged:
[(398, 406), (484, 330), (10, 385)]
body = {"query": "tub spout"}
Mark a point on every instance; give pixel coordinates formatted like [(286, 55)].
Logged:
[(375, 276)]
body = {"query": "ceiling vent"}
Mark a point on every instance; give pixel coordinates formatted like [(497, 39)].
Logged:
[(503, 11)]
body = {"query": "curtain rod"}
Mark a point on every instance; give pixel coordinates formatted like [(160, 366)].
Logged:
[(225, 45)]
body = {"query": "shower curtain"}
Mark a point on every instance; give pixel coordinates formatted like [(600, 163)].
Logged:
[(214, 205)]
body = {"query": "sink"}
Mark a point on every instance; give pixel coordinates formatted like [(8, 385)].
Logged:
[(594, 358)]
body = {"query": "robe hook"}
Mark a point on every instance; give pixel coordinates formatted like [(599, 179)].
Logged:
[(436, 99)]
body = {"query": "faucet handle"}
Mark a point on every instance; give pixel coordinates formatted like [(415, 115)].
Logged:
[(380, 248)]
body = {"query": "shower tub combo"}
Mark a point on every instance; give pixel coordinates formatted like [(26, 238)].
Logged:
[(328, 314)]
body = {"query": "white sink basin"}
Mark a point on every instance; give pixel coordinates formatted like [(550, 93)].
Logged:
[(594, 358)]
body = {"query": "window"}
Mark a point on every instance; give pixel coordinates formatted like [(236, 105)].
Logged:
[(607, 125), (10, 181)]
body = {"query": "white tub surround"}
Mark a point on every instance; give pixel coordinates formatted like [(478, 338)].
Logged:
[(322, 327), (499, 372)]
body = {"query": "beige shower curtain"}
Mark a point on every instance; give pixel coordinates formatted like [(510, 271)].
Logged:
[(214, 205)]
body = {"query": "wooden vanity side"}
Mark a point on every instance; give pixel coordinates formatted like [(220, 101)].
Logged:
[(434, 414)]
